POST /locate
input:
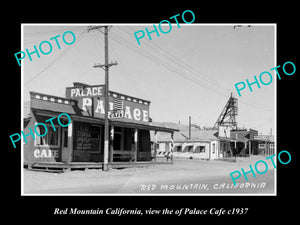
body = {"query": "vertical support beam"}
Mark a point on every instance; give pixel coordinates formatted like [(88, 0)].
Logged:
[(235, 146), (155, 144), (112, 135), (106, 95), (135, 144), (122, 139), (67, 152), (70, 141), (231, 152), (172, 146), (250, 150), (265, 148), (210, 150), (106, 104)]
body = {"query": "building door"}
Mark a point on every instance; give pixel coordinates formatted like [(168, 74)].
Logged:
[(65, 151)]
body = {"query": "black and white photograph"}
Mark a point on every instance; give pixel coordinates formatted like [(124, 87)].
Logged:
[(190, 109), (147, 112)]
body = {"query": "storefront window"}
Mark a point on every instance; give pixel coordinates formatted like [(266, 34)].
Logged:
[(87, 137), (51, 139)]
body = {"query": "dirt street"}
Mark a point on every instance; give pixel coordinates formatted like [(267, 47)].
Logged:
[(185, 176)]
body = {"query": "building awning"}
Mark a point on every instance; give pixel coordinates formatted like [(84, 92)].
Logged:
[(178, 144), (143, 126), (228, 139)]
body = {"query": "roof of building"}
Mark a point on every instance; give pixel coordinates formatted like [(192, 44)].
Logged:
[(240, 136), (243, 135), (182, 136)]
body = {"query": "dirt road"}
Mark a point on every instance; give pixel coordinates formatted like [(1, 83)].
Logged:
[(185, 176)]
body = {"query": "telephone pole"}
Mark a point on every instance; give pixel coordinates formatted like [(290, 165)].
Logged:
[(105, 66)]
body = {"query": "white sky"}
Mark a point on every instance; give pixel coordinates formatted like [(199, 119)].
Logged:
[(190, 71)]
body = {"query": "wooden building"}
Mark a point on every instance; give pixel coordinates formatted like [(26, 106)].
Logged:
[(210, 143), (266, 144), (82, 141), (243, 142), (203, 144)]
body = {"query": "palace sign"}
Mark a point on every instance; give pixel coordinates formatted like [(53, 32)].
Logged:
[(85, 91), (91, 100)]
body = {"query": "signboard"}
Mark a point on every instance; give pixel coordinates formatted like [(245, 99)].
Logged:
[(85, 91), (119, 113), (224, 131), (262, 137), (91, 101)]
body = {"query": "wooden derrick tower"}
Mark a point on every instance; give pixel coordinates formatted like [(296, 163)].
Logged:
[(227, 117)]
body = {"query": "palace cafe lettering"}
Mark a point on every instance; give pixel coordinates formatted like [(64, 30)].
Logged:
[(91, 100)]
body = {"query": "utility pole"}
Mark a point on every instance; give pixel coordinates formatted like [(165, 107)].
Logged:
[(105, 66)]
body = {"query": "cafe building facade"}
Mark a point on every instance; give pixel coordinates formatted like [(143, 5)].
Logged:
[(82, 141)]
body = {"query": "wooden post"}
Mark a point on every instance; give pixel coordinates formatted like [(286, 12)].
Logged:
[(250, 150), (70, 143), (106, 103), (111, 156), (122, 139), (172, 147), (155, 144), (135, 144), (266, 147), (106, 95)]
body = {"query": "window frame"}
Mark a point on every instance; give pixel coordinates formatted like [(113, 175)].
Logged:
[(203, 150), (49, 127)]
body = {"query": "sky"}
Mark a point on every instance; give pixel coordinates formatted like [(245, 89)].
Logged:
[(190, 71)]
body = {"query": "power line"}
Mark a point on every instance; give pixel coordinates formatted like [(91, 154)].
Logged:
[(172, 67), (182, 66), (166, 65), (128, 77), (179, 65)]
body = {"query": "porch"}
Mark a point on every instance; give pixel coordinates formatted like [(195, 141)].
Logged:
[(60, 167)]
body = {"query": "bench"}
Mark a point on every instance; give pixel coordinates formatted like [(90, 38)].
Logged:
[(119, 154)]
